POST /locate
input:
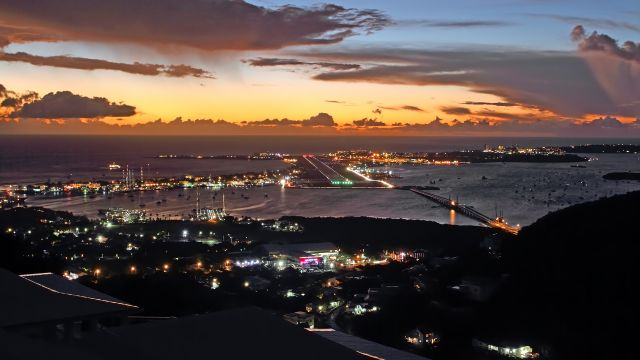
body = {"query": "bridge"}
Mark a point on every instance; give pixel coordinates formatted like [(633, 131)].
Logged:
[(468, 211)]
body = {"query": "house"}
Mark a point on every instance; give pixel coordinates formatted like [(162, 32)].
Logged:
[(300, 318), (421, 337)]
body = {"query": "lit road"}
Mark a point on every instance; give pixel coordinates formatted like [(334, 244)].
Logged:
[(385, 183)]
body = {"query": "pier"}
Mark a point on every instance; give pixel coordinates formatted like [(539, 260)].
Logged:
[(468, 211)]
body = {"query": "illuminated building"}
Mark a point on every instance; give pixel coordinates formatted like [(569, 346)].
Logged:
[(301, 318), (514, 350), (304, 255), (421, 337), (124, 216)]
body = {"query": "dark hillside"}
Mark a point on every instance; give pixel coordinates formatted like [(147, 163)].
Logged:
[(574, 278)]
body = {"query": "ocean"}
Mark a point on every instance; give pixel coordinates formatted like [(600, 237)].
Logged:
[(522, 192)]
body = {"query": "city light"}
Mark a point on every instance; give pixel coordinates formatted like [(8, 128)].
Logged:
[(215, 283)]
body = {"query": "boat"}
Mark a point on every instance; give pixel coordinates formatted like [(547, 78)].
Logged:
[(578, 166), (114, 166)]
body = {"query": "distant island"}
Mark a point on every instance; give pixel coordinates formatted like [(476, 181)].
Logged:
[(622, 176), (257, 156), (529, 158), (602, 149)]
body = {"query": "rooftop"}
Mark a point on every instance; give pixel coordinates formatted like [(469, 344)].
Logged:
[(241, 333), (368, 348), (49, 298)]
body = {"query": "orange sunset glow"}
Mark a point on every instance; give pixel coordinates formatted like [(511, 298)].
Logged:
[(389, 73)]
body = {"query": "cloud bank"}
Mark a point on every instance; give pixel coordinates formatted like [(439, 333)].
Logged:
[(265, 62), (173, 25), (210, 25), (59, 105), (63, 112), (605, 44), (79, 63), (599, 127)]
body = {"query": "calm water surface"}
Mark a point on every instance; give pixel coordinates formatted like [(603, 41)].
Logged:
[(522, 192)]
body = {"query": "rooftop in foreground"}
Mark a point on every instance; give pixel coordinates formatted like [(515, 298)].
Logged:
[(49, 298), (369, 348), (242, 333)]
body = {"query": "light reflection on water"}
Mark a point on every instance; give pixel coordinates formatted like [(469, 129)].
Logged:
[(523, 192)]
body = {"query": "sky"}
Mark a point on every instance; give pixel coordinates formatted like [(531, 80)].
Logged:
[(402, 67)]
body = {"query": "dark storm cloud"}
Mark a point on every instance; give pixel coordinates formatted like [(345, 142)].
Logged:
[(202, 24), (64, 104), (561, 82), (597, 42), (79, 63), (264, 62), (455, 110)]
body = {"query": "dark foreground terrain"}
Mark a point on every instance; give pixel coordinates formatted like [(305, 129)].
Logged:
[(564, 286)]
